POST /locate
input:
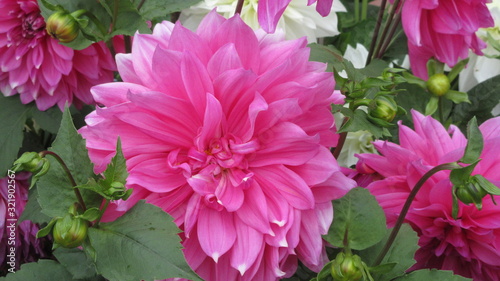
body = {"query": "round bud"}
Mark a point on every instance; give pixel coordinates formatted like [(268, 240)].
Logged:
[(69, 232), (438, 84), (384, 108), (347, 268), (62, 26)]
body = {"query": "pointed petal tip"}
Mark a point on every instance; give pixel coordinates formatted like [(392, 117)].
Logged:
[(215, 257), (242, 268)]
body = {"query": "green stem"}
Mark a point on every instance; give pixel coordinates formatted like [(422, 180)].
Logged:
[(441, 110), (356, 11), (102, 211), (364, 9), (389, 38), (68, 173), (406, 207), (115, 14), (386, 28), (380, 17), (140, 5)]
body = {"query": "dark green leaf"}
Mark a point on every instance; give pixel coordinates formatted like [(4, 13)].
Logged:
[(48, 120), (140, 245), (32, 211), (117, 168), (359, 220), (76, 262), (54, 188), (383, 268), (474, 144), (327, 54), (13, 115), (43, 270), (432, 105), (128, 19), (431, 274), (484, 97), (160, 8), (401, 252)]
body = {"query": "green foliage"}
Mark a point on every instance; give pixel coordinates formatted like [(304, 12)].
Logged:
[(140, 245), (77, 263), (32, 211), (399, 257), (474, 144), (359, 221), (484, 97), (43, 270), (54, 188), (152, 9), (431, 274)]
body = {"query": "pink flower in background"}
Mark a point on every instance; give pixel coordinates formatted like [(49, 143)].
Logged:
[(40, 69), (470, 245), (27, 247), (444, 30), (227, 130), (270, 11)]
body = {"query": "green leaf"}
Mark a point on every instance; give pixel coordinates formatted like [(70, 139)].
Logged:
[(160, 8), (47, 229), (432, 105), (128, 20), (475, 142), (457, 97), (32, 211), (401, 253), (13, 115), (140, 245), (327, 54), (461, 176), (117, 168), (325, 273), (91, 214), (359, 220), (48, 120), (484, 97), (76, 262), (43, 270), (431, 274), (457, 69), (358, 121), (487, 185), (54, 188)]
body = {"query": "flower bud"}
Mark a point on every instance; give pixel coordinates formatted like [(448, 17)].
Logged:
[(31, 162), (69, 232), (384, 108), (470, 193), (438, 84), (62, 26), (347, 268)]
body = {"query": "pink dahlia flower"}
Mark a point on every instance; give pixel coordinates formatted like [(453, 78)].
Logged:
[(37, 67), (469, 245), (269, 11), (444, 30), (227, 130), (20, 236)]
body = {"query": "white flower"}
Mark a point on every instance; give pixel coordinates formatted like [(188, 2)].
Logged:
[(481, 68), (297, 21)]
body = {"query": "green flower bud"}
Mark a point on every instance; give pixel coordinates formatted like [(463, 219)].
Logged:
[(438, 84), (70, 232), (384, 108), (62, 26), (347, 268), (470, 193)]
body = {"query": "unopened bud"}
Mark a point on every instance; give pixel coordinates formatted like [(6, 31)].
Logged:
[(470, 193), (62, 26), (70, 232), (347, 268), (438, 84), (384, 108)]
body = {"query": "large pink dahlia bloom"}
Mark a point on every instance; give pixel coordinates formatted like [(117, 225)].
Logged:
[(270, 11), (443, 29), (40, 69), (227, 130), (15, 234), (469, 245)]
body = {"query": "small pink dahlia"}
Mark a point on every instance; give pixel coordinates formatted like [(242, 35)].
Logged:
[(469, 245), (227, 130), (20, 236), (37, 67), (270, 11), (443, 29)]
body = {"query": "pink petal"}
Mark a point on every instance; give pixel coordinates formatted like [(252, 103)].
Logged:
[(216, 231)]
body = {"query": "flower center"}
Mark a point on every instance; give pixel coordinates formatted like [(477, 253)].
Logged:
[(32, 24)]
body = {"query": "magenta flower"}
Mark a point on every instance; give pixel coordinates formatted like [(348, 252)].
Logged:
[(22, 236), (469, 245), (227, 130), (40, 69), (444, 30), (269, 11)]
